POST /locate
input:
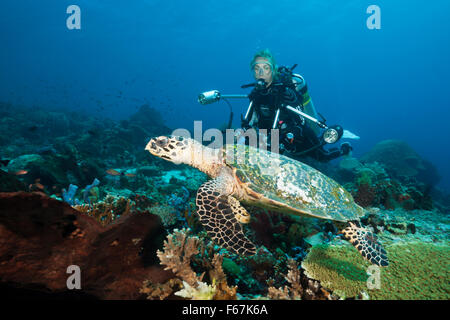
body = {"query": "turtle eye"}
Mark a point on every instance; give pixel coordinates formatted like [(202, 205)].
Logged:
[(162, 141)]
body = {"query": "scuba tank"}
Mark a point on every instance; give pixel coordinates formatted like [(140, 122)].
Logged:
[(307, 103), (298, 83)]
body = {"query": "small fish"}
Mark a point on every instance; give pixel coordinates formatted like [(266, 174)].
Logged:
[(20, 172), (39, 186), (113, 172)]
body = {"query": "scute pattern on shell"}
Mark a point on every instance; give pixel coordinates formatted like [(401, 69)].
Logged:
[(291, 182)]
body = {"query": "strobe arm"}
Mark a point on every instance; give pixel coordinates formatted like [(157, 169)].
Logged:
[(300, 113), (214, 96)]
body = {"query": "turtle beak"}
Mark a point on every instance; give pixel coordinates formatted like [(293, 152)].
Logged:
[(158, 146), (152, 146)]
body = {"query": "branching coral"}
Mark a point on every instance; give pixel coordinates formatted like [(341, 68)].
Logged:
[(108, 210), (160, 290), (181, 251), (295, 291), (202, 291), (177, 255), (300, 287)]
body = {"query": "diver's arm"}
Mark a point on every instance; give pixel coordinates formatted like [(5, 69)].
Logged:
[(249, 118), (306, 102), (290, 97)]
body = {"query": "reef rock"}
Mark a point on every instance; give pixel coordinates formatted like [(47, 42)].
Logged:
[(150, 118), (402, 162), (41, 237)]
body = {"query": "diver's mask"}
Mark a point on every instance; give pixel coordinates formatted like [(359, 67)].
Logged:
[(262, 68)]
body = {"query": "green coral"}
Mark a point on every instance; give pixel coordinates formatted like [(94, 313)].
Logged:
[(365, 176), (417, 271), (231, 267)]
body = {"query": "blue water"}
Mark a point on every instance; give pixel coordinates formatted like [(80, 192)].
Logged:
[(390, 83)]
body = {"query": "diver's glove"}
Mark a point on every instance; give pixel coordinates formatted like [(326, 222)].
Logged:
[(290, 97), (252, 95), (346, 147)]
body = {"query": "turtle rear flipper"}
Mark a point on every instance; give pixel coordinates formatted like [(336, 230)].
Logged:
[(367, 244), (218, 213)]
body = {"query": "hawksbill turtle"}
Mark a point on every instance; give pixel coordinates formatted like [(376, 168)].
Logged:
[(252, 176)]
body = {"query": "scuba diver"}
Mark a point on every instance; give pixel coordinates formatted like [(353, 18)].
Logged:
[(275, 91)]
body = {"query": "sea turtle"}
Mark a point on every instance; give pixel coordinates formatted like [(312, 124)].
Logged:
[(261, 178)]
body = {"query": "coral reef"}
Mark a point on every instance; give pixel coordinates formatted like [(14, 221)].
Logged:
[(108, 210), (294, 292), (339, 268), (166, 213), (372, 187), (122, 220), (402, 162), (181, 252), (90, 192), (202, 291)]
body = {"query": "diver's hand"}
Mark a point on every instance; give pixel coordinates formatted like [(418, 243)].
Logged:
[(346, 148), (289, 97), (252, 95)]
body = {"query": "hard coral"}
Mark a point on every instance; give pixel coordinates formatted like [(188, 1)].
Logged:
[(365, 195), (401, 161), (416, 271), (166, 213), (294, 292), (202, 291), (180, 252), (108, 210), (160, 290)]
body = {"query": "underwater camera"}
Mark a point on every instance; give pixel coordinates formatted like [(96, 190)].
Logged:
[(209, 97)]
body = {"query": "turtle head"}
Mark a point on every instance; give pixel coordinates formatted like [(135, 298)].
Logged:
[(172, 148)]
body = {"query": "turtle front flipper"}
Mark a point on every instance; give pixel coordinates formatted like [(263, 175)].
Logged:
[(367, 244), (219, 214)]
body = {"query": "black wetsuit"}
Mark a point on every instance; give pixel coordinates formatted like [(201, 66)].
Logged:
[(262, 115)]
